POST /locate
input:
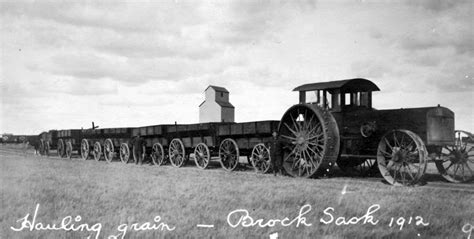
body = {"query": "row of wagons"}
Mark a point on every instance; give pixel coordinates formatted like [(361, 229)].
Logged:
[(172, 143)]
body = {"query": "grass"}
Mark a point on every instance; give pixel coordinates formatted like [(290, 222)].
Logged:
[(114, 194)]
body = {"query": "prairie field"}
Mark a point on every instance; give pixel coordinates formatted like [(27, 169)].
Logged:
[(126, 199)]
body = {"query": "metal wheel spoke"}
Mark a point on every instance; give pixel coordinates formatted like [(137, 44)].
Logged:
[(291, 130), (410, 171), (395, 141), (451, 164), (288, 137), (387, 143), (469, 168), (456, 169), (387, 155), (297, 128), (316, 136)]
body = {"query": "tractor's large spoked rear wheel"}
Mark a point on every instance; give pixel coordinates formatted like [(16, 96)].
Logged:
[(229, 154), (401, 157), (260, 158), (124, 152), (158, 154), (312, 140), (456, 162), (202, 156), (85, 149), (69, 149), (61, 149), (357, 167), (109, 150), (177, 153)]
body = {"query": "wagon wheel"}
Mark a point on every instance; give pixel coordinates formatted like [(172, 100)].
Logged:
[(124, 153), (260, 159), (68, 149), (97, 151), (177, 153), (229, 154), (109, 150), (85, 149), (61, 148), (202, 156), (358, 167), (401, 157), (158, 154), (312, 137), (456, 162)]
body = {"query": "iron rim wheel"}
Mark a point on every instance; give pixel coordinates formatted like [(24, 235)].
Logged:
[(202, 156), (260, 158), (312, 135), (85, 149), (177, 153), (157, 154), (60, 148), (229, 154), (109, 150), (97, 151), (456, 162), (401, 157), (124, 153), (68, 149)]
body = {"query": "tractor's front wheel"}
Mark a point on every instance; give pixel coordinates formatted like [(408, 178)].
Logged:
[(402, 157), (456, 162)]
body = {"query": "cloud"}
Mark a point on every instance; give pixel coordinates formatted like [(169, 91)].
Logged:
[(438, 5), (140, 45), (141, 61), (117, 16), (250, 22), (449, 26), (371, 68)]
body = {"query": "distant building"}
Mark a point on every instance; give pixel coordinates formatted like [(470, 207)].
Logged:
[(216, 106)]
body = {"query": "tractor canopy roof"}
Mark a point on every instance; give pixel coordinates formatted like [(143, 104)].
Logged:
[(348, 86)]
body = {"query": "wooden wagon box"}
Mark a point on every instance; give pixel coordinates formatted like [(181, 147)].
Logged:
[(209, 141), (223, 130), (243, 143), (157, 130), (267, 127), (177, 128), (236, 129), (248, 128), (193, 127), (160, 140)]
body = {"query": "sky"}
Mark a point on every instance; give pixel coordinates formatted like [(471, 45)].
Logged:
[(64, 64)]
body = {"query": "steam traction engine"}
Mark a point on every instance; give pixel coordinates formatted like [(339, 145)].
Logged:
[(334, 122)]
